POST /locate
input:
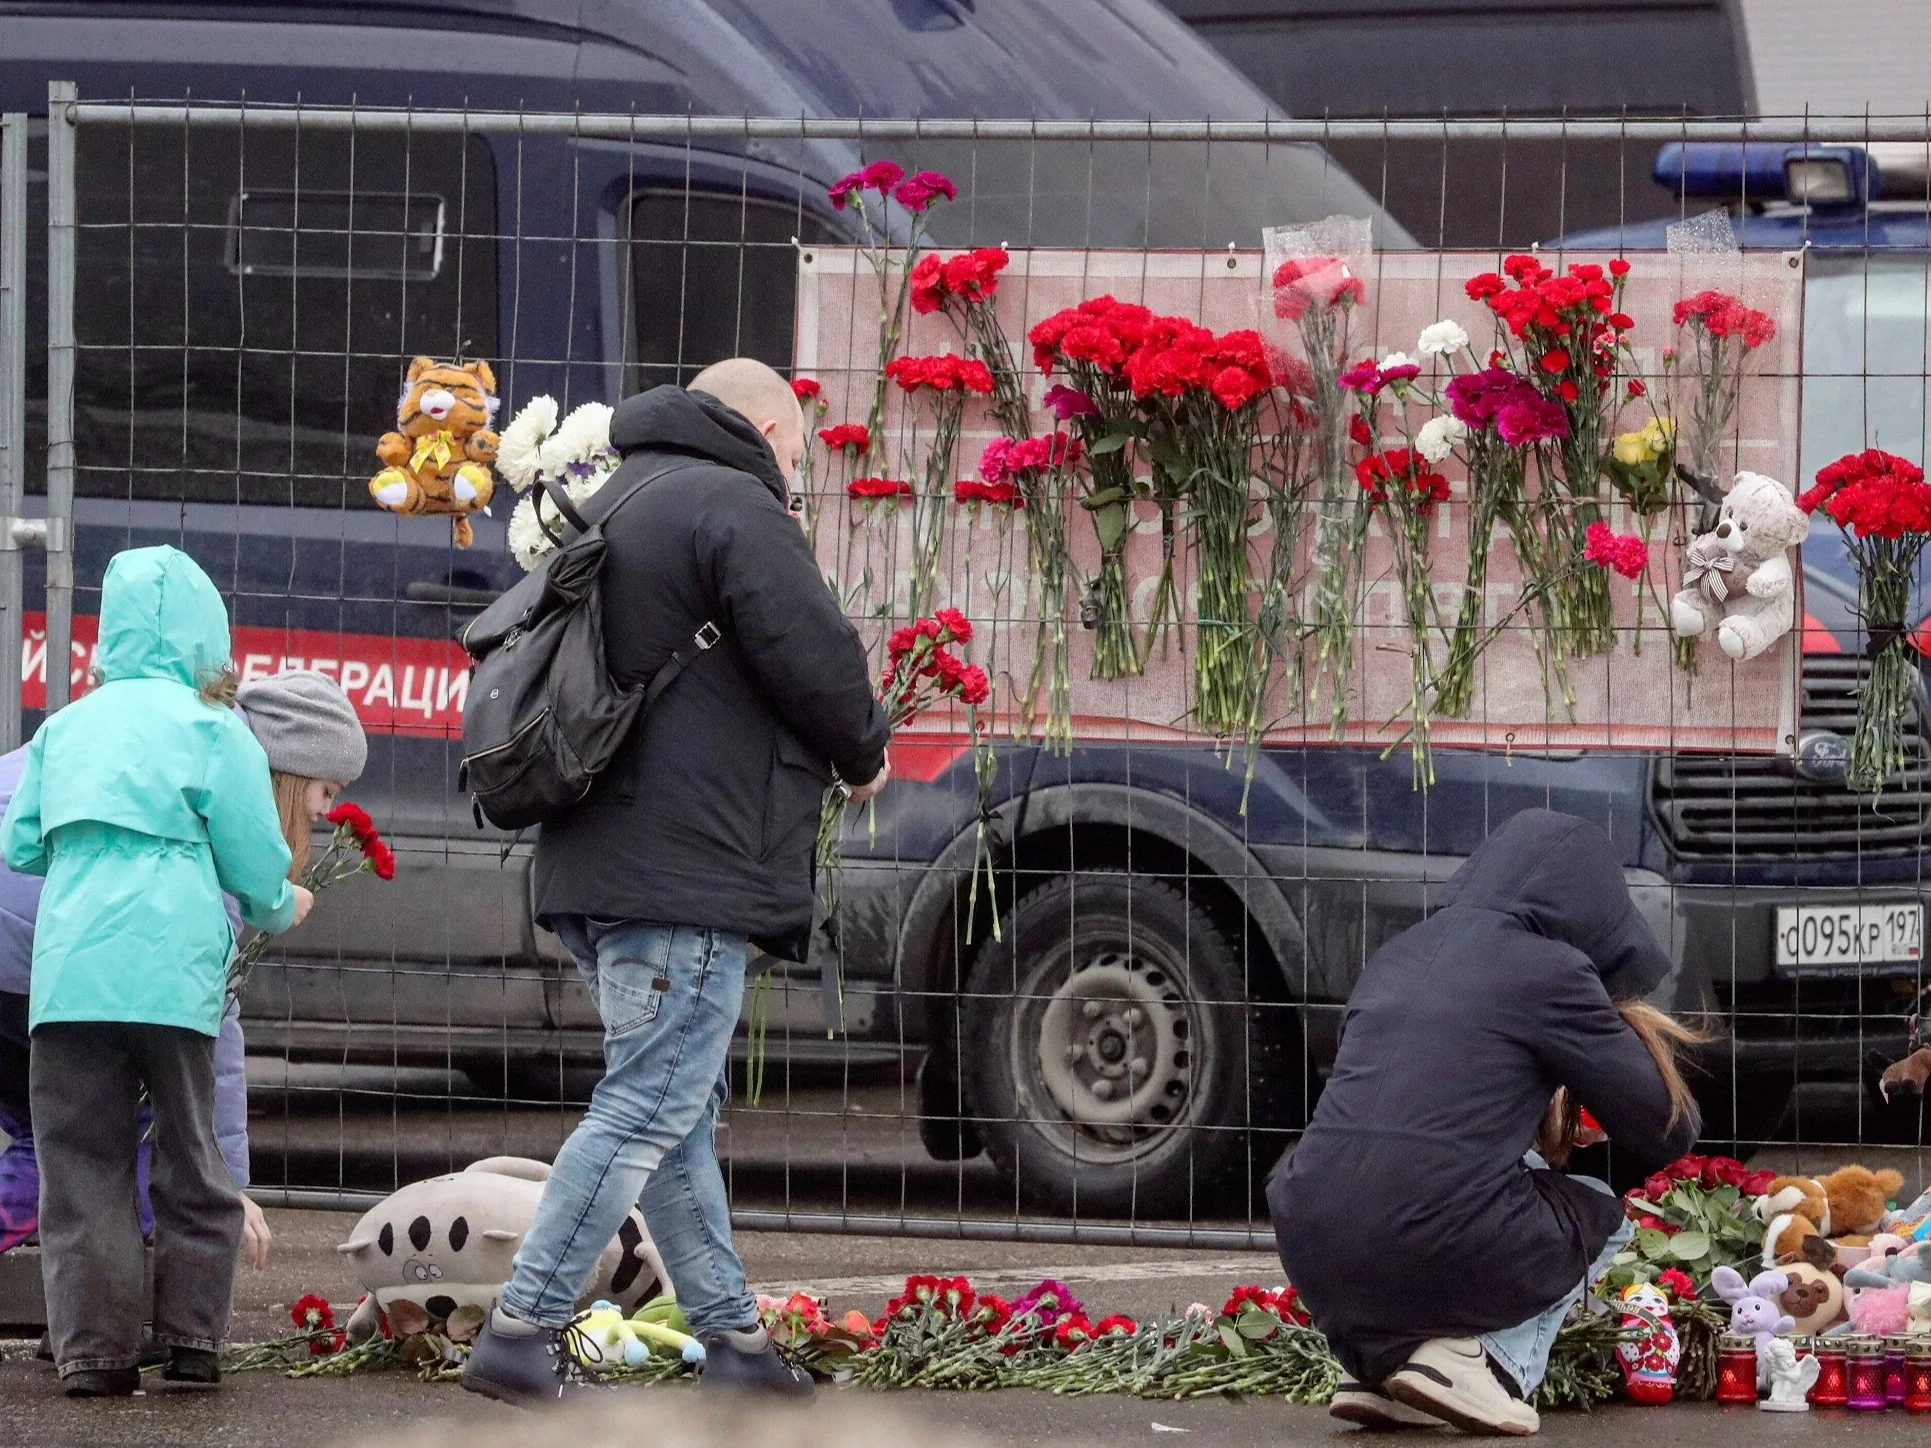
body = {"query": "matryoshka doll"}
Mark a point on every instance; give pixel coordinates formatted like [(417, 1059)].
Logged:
[(1650, 1351)]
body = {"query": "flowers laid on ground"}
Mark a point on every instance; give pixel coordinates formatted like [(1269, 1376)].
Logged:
[(574, 452), (356, 847), (1882, 504), (1692, 1217)]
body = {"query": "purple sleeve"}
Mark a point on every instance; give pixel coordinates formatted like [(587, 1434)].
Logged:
[(19, 897)]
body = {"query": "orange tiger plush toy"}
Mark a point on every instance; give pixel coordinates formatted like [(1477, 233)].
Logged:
[(438, 459)]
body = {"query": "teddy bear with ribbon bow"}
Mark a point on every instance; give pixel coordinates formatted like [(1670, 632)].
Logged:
[(1737, 579), (438, 458)]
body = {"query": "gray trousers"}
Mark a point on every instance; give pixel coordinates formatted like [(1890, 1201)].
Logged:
[(86, 1083)]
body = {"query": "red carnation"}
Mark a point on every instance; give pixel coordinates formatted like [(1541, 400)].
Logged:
[(312, 1313), (852, 436), (805, 388)]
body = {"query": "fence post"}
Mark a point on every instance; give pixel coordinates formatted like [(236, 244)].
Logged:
[(61, 96), (13, 412)]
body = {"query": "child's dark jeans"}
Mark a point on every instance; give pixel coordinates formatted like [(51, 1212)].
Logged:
[(87, 1079)]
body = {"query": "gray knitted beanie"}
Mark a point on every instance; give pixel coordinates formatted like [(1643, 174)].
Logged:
[(306, 725)]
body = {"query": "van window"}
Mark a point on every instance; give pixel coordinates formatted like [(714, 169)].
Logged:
[(712, 275), (247, 301)]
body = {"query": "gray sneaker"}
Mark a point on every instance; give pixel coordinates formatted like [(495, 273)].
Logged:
[(749, 1362), (525, 1369)]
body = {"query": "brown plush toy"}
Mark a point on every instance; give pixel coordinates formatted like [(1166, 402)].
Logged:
[(1815, 1296), (438, 459), (1846, 1206)]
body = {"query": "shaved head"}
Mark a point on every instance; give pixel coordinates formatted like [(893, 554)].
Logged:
[(756, 392)]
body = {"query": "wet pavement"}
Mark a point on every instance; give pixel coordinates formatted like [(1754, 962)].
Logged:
[(263, 1410)]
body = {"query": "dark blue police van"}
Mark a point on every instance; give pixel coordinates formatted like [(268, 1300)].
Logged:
[(1172, 961)]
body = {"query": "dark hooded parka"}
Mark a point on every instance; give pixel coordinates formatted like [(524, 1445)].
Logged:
[(709, 814), (1406, 1211)]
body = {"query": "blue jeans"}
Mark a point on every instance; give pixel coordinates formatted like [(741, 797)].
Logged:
[(669, 996), (1522, 1351)]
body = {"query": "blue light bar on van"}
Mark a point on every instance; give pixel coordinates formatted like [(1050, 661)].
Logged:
[(1769, 171)]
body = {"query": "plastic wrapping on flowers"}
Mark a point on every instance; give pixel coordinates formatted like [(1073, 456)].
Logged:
[(1314, 278)]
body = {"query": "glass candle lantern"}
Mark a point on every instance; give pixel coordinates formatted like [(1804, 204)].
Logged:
[(1833, 1386), (1736, 1369), (1894, 1351), (1866, 1356), (1917, 1376)]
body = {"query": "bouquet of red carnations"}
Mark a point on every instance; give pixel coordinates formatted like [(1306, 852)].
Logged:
[(921, 671), (354, 849), (1723, 333), (1882, 504)]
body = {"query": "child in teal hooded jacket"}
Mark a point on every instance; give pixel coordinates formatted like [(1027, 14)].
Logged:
[(141, 803)]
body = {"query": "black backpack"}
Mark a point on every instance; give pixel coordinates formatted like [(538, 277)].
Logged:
[(544, 718)]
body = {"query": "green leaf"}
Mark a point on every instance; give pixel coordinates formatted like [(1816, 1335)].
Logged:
[(1654, 1245), (1104, 498), (1111, 443), (1689, 1246), (1230, 1339)]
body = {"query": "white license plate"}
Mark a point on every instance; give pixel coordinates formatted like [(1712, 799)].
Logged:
[(1848, 935)]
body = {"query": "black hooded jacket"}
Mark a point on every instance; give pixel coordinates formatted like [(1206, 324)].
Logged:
[(1406, 1212), (709, 815)]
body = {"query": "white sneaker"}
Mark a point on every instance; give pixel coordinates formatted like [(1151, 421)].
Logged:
[(1373, 1408), (1449, 1378)]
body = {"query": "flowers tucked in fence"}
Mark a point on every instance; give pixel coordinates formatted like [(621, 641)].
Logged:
[(1569, 341), (1318, 293), (946, 380), (848, 437), (1882, 504), (1090, 344), (893, 266), (1198, 400), (872, 491), (1622, 553)]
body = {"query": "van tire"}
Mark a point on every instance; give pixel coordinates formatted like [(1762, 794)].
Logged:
[(1115, 1057)]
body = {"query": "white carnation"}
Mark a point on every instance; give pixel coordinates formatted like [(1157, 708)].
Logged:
[(1397, 359), (1439, 339), (516, 452), (577, 439), (526, 540), (1439, 435)]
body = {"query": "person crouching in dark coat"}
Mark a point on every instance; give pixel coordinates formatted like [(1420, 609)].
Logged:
[(1436, 1249)]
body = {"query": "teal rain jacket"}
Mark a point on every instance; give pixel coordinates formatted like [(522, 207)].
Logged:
[(141, 803)]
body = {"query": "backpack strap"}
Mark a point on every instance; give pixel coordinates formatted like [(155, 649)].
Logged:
[(706, 637)]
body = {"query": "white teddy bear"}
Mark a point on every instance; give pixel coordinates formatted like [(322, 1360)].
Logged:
[(1737, 578)]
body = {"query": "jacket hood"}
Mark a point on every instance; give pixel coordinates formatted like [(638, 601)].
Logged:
[(673, 419), (1560, 877), (161, 618)]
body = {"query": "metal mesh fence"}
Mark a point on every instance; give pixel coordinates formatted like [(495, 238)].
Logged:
[(231, 295)]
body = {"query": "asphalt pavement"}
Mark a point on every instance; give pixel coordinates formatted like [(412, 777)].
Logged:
[(264, 1410)]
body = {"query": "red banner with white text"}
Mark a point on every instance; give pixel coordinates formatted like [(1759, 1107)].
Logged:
[(398, 685)]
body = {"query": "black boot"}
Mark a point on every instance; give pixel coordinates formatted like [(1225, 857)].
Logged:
[(747, 1361), (192, 1365), (102, 1383)]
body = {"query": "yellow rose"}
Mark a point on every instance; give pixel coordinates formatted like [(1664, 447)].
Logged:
[(1632, 449), (1658, 433)]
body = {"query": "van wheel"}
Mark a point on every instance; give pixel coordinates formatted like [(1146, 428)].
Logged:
[(1111, 1057)]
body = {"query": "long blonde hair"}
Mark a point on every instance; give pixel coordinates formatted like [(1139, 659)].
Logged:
[(1666, 1039), (291, 803)]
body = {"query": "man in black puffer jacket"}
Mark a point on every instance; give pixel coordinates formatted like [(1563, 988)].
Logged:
[(693, 847)]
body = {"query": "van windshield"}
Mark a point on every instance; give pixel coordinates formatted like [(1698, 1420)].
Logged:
[(1167, 194)]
